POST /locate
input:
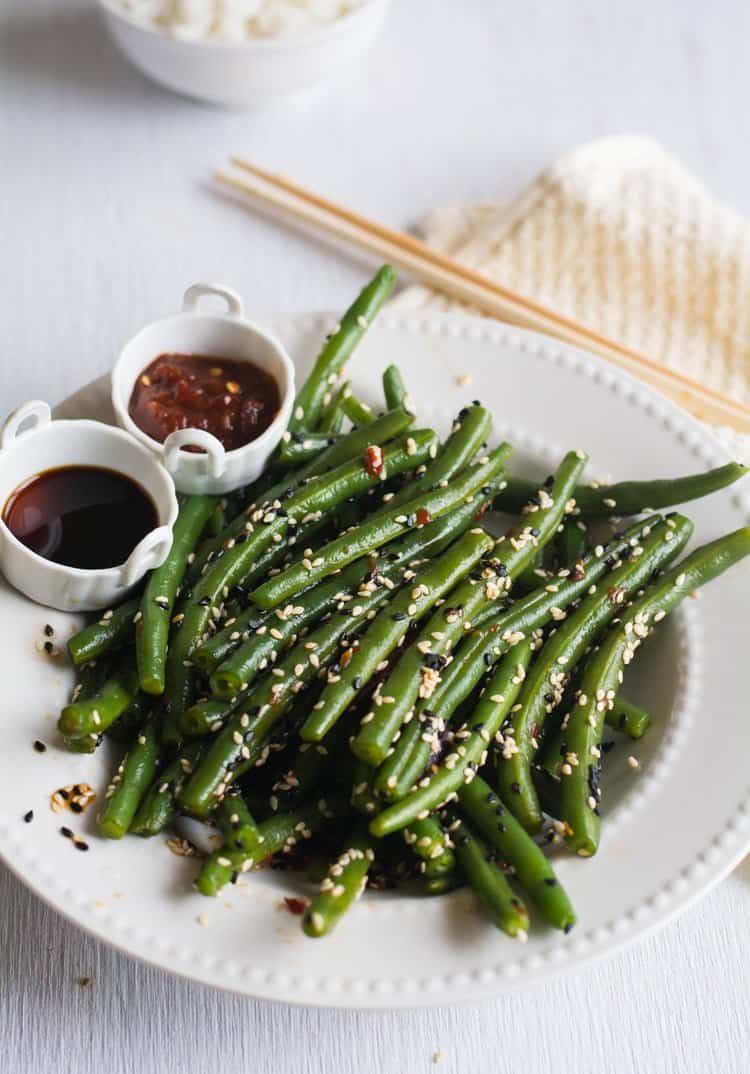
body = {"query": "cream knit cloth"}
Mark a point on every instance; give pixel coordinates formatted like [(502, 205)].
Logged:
[(618, 235)]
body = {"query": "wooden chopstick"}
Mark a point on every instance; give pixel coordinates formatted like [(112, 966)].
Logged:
[(448, 276)]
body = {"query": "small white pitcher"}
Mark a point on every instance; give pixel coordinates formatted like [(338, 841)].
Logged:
[(227, 335), (30, 443)]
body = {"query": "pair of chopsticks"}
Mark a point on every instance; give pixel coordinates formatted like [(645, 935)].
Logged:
[(453, 279)]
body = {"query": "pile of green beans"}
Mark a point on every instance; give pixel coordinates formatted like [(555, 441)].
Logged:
[(345, 662)]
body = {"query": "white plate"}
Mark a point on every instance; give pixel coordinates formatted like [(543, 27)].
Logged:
[(671, 829)]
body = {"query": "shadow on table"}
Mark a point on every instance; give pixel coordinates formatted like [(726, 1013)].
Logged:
[(72, 52)]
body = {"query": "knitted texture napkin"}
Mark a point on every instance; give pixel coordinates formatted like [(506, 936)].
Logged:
[(620, 236)]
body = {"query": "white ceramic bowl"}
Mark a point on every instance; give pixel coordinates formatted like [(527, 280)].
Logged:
[(226, 335), (31, 443), (248, 72)]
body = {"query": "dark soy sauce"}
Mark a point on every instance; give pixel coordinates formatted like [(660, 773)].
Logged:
[(80, 516)]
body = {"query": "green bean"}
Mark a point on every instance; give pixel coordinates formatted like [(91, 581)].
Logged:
[(431, 540), (548, 789), (237, 630), (241, 740), (490, 886), (394, 388), (546, 683), (357, 412), (396, 770), (209, 715), (631, 719), (377, 532), (630, 497), (216, 519), (152, 627), (158, 807), (127, 726), (319, 494), (476, 656), (112, 629), (600, 681), (279, 833), (442, 885), (470, 430), (94, 714), (362, 797), (333, 417), (339, 345), (482, 649), (273, 629), (237, 824), (82, 743), (389, 629), (135, 774), (532, 869), (427, 839), (570, 543), (301, 778), (345, 882), (456, 768), (533, 576), (238, 626), (301, 449), (511, 555), (352, 446)]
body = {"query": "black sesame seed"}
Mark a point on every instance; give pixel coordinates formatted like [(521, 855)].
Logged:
[(550, 881), (398, 617), (66, 832), (204, 602), (39, 746), (49, 630), (516, 788), (568, 927), (357, 682), (79, 844), (49, 647), (28, 817), (549, 481), (435, 661), (76, 807)]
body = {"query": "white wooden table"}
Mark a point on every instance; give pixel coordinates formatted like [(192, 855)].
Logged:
[(105, 216)]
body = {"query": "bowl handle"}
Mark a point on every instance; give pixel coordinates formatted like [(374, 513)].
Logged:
[(148, 554), (36, 412), (194, 294), (199, 438)]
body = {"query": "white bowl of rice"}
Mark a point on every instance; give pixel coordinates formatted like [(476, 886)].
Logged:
[(243, 53)]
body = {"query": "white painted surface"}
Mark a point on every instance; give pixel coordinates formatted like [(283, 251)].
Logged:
[(105, 216)]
